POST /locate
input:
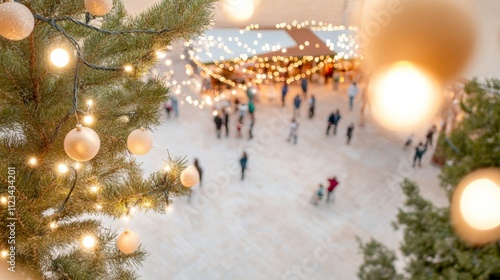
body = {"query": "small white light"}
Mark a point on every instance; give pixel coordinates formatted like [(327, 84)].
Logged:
[(167, 167), (88, 119), (53, 225), (90, 102), (168, 62), (5, 253), (94, 189), (133, 209), (33, 161), (128, 68), (77, 165), (62, 168), (98, 206), (88, 242), (160, 54), (59, 57), (125, 218), (3, 200)]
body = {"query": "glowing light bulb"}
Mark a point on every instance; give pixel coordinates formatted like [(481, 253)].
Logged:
[(160, 54), (90, 102), (168, 62), (62, 168), (133, 209), (94, 189), (98, 206), (88, 242), (4, 254), (53, 225), (77, 165), (480, 205), (215, 113), (403, 97), (167, 167), (59, 57), (33, 161), (128, 68), (125, 218), (3, 200), (88, 119)]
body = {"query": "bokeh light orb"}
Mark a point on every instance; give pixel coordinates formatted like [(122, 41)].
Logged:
[(403, 97), (239, 10), (475, 207)]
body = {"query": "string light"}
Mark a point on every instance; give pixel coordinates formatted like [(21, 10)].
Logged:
[(62, 168), (125, 218), (94, 189), (3, 200), (90, 102), (59, 57), (167, 167), (98, 207), (77, 165), (128, 68), (53, 225), (89, 242), (32, 161), (88, 119), (4, 254)]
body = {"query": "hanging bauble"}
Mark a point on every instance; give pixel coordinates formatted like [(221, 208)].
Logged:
[(140, 142), (436, 35), (82, 143), (98, 7), (16, 21), (475, 207), (190, 176), (128, 242)]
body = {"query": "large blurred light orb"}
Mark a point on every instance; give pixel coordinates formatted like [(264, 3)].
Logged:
[(480, 204), (475, 207), (403, 97), (239, 10), (59, 57)]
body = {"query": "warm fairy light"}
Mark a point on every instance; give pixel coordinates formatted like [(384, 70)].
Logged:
[(94, 189), (88, 119), (182, 56), (62, 168), (125, 218), (167, 167), (133, 209), (403, 97), (77, 165), (147, 204), (89, 242), (168, 62), (59, 57), (169, 208), (215, 113), (98, 206), (90, 102), (480, 204), (4, 254), (128, 68), (53, 225), (33, 161), (160, 54), (3, 200)]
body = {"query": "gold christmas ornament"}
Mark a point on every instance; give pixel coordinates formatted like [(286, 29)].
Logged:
[(82, 143), (16, 21), (475, 207), (128, 242), (436, 35), (99, 7), (140, 142), (190, 176)]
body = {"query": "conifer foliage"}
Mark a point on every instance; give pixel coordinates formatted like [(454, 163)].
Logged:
[(40, 104)]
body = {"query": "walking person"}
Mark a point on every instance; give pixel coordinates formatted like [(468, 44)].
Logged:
[(251, 108), (303, 85), (284, 91), (243, 108), (352, 91), (250, 129), (294, 127), (168, 107), (350, 129), (409, 141), (175, 106), (225, 120), (243, 163), (199, 169), (218, 124), (318, 196), (312, 105), (430, 135), (296, 105), (333, 183), (333, 120), (419, 152)]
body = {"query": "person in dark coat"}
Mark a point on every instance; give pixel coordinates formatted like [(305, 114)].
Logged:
[(419, 152), (430, 135), (333, 183), (243, 163), (225, 120), (218, 124), (284, 91), (303, 84), (296, 105), (312, 105), (333, 120), (200, 170), (350, 129)]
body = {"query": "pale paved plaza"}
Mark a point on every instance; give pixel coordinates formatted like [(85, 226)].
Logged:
[(265, 227)]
